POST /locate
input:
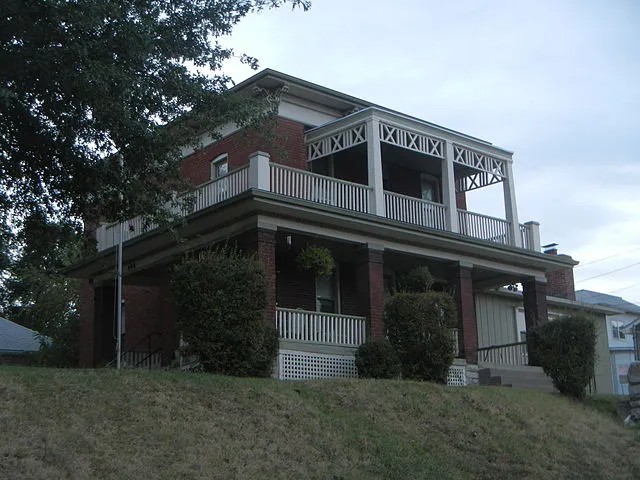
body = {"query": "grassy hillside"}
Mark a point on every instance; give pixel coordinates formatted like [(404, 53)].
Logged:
[(106, 424)]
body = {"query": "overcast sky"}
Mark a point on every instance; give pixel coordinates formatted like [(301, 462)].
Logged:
[(557, 82)]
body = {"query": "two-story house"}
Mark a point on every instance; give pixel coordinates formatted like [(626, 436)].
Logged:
[(620, 329), (382, 190)]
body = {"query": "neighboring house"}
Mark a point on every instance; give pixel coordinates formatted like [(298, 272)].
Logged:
[(620, 327), (382, 190), (18, 344), (502, 333)]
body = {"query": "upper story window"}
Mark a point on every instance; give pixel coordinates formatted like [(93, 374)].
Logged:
[(219, 166), (618, 331)]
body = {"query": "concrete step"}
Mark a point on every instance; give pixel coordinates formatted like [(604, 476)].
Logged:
[(527, 378)]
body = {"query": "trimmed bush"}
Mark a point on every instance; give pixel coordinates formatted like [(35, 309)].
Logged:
[(419, 327), (566, 350), (418, 280), (220, 297), (376, 359)]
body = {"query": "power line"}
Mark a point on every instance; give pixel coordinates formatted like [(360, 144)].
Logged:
[(624, 288), (610, 272), (607, 258)]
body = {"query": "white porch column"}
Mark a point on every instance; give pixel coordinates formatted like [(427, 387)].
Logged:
[(510, 207), (449, 190), (374, 168), (259, 171)]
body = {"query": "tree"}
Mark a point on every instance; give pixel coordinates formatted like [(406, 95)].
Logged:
[(37, 296), (83, 80)]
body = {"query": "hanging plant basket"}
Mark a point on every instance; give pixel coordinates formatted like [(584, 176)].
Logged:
[(317, 260)]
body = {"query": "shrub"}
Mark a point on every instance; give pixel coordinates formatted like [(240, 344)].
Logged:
[(418, 280), (565, 349), (376, 359), (220, 297), (419, 327), (316, 259)]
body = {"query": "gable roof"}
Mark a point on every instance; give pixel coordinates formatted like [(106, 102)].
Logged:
[(597, 298), (16, 339)]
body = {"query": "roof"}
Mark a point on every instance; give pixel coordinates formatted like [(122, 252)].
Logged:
[(16, 339), (269, 78), (597, 298)]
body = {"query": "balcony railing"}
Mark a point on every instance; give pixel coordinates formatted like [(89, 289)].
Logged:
[(333, 192), (317, 327), (484, 227), (514, 354), (319, 188), (415, 211)]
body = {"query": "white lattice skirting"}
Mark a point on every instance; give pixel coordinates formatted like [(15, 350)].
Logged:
[(457, 376), (294, 365)]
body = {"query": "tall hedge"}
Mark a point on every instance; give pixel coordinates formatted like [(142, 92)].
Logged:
[(566, 350), (220, 298), (419, 327)]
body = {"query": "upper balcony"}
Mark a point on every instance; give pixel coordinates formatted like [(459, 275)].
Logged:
[(379, 163)]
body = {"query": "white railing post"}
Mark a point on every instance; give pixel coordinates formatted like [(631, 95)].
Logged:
[(510, 207), (449, 190), (259, 172), (374, 168), (533, 233)]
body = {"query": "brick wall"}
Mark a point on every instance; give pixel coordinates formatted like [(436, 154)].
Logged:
[(286, 146), (560, 283), (462, 282), (295, 288), (370, 287)]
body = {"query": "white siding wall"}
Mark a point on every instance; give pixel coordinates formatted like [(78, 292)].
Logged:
[(496, 320)]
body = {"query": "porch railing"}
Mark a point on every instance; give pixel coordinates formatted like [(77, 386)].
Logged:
[(204, 196), (456, 342), (415, 210), (484, 227), (319, 188), (317, 327), (514, 354)]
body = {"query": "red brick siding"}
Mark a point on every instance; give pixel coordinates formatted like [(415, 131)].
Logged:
[(371, 291), (461, 200), (143, 315), (86, 308), (467, 326), (262, 242), (295, 288), (349, 304), (286, 147)]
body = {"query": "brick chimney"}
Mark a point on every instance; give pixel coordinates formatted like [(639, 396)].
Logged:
[(560, 282)]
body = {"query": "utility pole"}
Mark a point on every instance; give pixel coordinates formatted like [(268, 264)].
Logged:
[(119, 277)]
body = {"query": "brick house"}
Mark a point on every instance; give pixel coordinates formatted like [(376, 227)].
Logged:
[(382, 190)]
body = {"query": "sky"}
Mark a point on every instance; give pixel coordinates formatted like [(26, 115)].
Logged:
[(556, 82)]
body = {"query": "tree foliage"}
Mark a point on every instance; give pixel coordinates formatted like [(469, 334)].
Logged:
[(220, 298), (84, 79), (37, 296), (566, 350), (377, 359)]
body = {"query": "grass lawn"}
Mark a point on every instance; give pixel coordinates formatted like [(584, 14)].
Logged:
[(139, 425)]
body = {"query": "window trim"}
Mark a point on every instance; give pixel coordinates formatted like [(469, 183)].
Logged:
[(215, 162)]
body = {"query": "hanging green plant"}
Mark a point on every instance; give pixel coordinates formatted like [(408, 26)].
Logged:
[(316, 259)]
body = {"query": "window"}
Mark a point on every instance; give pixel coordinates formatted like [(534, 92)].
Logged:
[(327, 293), (618, 332), (219, 166), (429, 188)]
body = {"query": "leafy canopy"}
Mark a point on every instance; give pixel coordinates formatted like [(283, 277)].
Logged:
[(84, 79)]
